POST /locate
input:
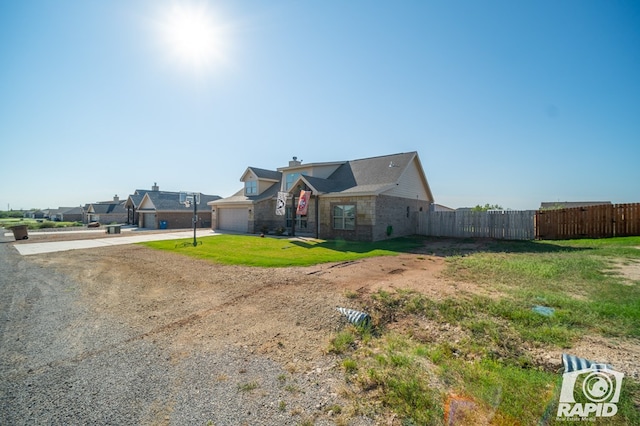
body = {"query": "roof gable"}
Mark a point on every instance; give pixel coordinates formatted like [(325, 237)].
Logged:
[(134, 200), (146, 203), (260, 174), (106, 208), (396, 174), (170, 201)]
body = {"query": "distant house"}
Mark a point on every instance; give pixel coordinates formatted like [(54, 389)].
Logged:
[(133, 204), (70, 214), (65, 214), (34, 214), (441, 208), (163, 210), (106, 211), (555, 205), (368, 199)]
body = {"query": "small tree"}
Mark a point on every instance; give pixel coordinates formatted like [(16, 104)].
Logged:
[(486, 207)]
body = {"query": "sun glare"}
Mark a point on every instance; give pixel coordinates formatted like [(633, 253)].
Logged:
[(192, 36)]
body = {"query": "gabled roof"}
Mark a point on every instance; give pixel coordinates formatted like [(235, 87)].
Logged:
[(170, 201), (104, 208), (240, 198), (370, 176), (134, 199), (323, 186), (68, 210), (263, 174), (71, 210), (366, 176)]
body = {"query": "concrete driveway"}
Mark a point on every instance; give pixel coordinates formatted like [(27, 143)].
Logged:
[(27, 249)]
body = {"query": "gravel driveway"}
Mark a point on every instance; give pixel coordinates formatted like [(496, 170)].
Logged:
[(77, 348)]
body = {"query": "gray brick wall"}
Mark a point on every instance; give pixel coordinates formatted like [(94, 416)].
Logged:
[(176, 220), (374, 215)]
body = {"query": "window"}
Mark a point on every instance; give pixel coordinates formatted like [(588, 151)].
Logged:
[(301, 221), (251, 187), (291, 178), (344, 217)]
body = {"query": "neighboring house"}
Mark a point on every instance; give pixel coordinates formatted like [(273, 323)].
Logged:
[(70, 214), (34, 214), (441, 208), (132, 204), (367, 199), (163, 210), (107, 212), (555, 205), (46, 213), (66, 214)]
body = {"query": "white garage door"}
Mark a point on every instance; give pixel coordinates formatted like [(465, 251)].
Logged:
[(233, 219), (149, 220)]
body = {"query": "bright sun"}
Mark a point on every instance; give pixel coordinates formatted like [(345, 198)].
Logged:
[(192, 36)]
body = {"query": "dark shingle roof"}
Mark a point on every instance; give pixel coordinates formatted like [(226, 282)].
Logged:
[(170, 201), (369, 175), (104, 208), (380, 171), (136, 198), (240, 197), (266, 174)]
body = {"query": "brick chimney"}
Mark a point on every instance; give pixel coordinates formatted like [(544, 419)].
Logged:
[(295, 162)]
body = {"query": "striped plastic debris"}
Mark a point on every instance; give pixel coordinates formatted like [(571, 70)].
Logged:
[(355, 317), (573, 363)]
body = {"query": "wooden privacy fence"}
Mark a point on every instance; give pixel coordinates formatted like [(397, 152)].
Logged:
[(505, 225), (599, 221)]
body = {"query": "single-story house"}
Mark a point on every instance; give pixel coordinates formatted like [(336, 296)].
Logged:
[(34, 214), (441, 208), (66, 214), (106, 212), (368, 199), (164, 210), (132, 204)]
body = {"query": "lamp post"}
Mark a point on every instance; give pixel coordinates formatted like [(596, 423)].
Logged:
[(195, 219)]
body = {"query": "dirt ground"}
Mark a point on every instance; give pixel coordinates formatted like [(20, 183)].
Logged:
[(287, 314)]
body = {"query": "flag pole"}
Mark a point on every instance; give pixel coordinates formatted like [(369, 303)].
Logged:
[(294, 214)]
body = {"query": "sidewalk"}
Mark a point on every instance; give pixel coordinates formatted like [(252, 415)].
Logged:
[(54, 246)]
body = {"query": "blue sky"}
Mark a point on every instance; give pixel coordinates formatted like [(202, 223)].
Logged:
[(506, 102)]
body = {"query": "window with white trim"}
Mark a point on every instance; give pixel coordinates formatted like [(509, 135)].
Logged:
[(344, 217), (251, 187), (291, 178)]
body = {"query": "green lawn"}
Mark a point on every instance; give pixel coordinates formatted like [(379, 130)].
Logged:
[(35, 224), (279, 252), (391, 369)]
